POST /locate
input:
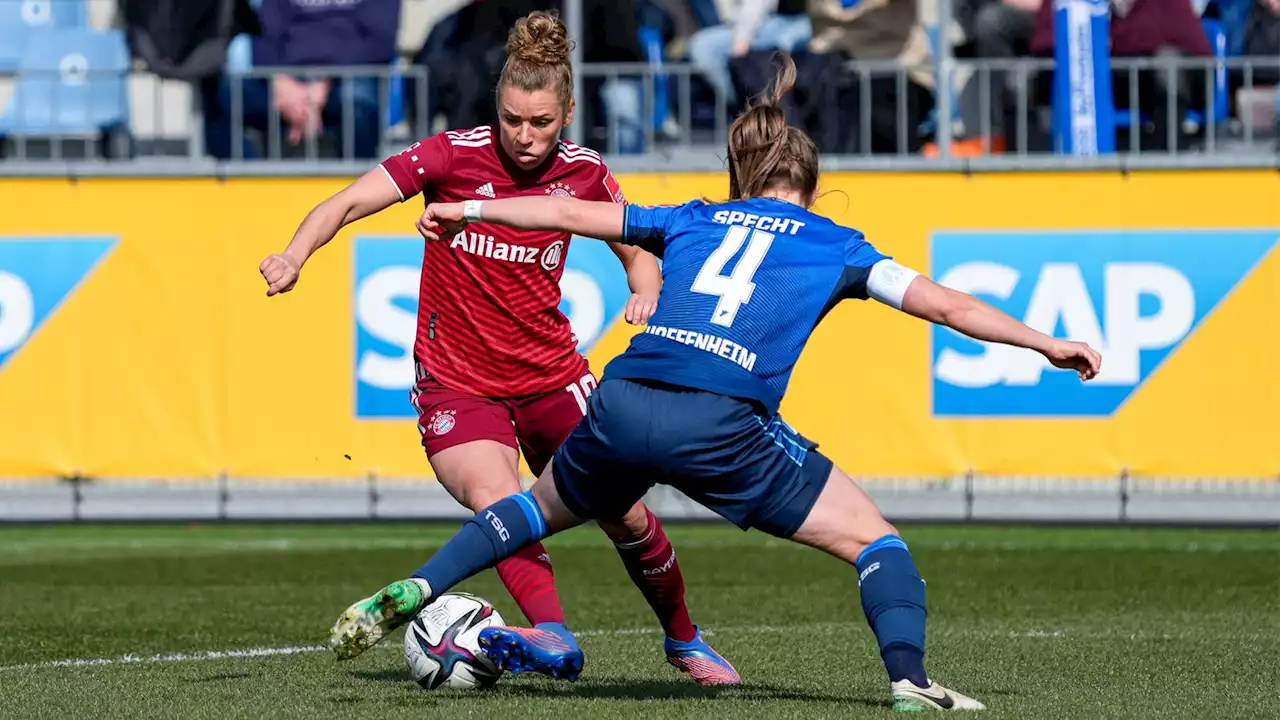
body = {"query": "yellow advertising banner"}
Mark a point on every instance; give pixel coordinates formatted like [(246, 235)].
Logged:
[(136, 339)]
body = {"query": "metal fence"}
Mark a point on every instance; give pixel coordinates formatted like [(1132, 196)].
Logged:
[(875, 115)]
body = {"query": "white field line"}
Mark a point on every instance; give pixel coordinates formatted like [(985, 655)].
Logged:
[(131, 659), (261, 652), (249, 653)]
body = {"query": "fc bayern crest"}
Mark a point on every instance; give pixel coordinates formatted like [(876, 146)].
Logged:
[(443, 421), (559, 189)]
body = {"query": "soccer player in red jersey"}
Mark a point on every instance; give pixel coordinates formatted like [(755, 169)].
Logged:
[(496, 361)]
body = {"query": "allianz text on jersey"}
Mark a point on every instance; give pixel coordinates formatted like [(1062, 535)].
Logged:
[(1136, 296), (387, 270)]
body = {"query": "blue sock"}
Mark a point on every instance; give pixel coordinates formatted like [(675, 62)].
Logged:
[(893, 600), (493, 535)]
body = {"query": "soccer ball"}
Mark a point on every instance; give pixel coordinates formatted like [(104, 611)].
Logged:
[(442, 644)]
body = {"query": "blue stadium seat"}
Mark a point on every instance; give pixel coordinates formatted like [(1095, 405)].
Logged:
[(20, 18), (70, 82)]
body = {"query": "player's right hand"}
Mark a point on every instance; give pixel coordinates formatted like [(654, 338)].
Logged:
[(280, 272), (1077, 356)]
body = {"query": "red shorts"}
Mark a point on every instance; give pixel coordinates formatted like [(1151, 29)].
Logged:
[(535, 424)]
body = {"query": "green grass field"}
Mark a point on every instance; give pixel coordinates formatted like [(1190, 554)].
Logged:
[(1036, 622)]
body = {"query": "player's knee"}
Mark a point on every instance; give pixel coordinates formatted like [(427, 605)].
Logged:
[(477, 493), (877, 528), (867, 530), (630, 527)]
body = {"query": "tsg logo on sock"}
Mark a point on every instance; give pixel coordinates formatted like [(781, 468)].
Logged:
[(593, 289), (1135, 296), (36, 275), (498, 527)]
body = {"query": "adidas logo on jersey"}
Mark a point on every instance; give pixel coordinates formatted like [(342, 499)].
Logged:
[(486, 190)]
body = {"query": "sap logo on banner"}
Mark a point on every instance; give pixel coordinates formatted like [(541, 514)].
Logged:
[(36, 275), (1135, 296), (593, 289)]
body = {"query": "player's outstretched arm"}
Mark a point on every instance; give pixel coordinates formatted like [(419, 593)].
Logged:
[(967, 314), (364, 197), (602, 220)]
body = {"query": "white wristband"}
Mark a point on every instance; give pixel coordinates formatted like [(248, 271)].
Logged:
[(471, 210)]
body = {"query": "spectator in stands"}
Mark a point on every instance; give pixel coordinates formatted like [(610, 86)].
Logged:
[(1001, 30), (303, 33), (1262, 39), (683, 21), (1147, 28), (829, 95), (758, 25), (614, 37), (464, 64), (463, 55)]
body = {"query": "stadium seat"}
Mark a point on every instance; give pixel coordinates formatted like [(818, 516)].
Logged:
[(70, 82), (20, 18)]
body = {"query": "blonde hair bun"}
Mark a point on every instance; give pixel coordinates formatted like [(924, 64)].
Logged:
[(539, 38)]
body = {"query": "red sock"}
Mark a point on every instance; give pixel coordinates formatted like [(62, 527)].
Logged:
[(651, 562), (529, 579)]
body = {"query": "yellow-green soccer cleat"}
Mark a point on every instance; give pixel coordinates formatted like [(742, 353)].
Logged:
[(365, 623), (909, 697)]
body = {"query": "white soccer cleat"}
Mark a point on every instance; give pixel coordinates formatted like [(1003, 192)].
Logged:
[(909, 697)]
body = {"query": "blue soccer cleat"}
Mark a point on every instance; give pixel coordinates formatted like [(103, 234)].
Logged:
[(700, 661), (548, 648)]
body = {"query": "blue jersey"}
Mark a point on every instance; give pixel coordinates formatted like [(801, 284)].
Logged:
[(744, 284)]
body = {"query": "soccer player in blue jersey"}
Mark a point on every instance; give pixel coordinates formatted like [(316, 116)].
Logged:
[(693, 402)]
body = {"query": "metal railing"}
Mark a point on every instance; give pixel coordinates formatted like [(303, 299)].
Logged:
[(157, 121), (877, 115)]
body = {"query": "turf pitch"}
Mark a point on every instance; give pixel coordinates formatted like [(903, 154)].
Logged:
[(227, 621)]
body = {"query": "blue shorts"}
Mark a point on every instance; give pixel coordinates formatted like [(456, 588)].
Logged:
[(754, 471)]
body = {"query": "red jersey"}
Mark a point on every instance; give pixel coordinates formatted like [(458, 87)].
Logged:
[(489, 320)]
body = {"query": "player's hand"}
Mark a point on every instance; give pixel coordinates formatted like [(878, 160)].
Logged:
[(280, 272), (441, 220), (1077, 356), (640, 307)]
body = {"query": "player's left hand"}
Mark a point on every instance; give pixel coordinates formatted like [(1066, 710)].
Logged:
[(441, 220), (640, 307), (1077, 356)]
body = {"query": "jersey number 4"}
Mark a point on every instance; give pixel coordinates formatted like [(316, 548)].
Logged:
[(734, 289)]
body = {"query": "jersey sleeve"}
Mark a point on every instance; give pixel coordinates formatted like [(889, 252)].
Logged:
[(419, 166), (649, 227), (860, 257), (604, 188)]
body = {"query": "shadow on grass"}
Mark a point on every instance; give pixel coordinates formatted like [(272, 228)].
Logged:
[(221, 678), (628, 689)]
